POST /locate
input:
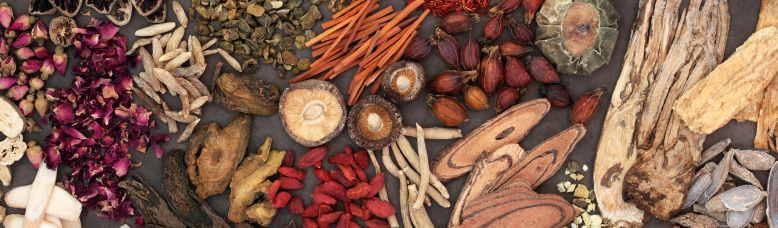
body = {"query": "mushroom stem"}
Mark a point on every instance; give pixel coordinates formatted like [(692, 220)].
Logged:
[(374, 122), (434, 132), (382, 193), (413, 158), (424, 168)]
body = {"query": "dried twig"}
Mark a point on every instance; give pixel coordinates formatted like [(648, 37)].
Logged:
[(424, 169), (434, 132), (404, 199), (413, 159)]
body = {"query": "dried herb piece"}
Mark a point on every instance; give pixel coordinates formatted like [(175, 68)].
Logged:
[(245, 94), (447, 48), (313, 112), (493, 28), (419, 48), (471, 54), (457, 22), (214, 154), (586, 107), (152, 207), (491, 72), (447, 109)]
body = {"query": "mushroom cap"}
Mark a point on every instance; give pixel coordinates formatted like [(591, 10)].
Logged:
[(61, 30), (122, 14), (148, 7), (68, 8), (313, 112), (41, 7), (402, 82), (365, 131)]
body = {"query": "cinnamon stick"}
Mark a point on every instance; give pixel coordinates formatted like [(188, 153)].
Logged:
[(410, 29), (356, 26), (360, 15), (347, 17), (354, 4)]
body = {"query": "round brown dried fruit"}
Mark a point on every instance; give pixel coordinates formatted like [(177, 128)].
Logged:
[(587, 30), (374, 123), (61, 30), (402, 82), (313, 112), (122, 13)]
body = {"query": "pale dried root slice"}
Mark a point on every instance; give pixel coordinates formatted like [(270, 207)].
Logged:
[(5, 175), (423, 168), (76, 223), (406, 216), (62, 204), (695, 220), (17, 221), (418, 215), (12, 149), (768, 14), (414, 178), (433, 132), (387, 160), (772, 196), (156, 29), (40, 195), (11, 118), (509, 127), (180, 14), (754, 159)]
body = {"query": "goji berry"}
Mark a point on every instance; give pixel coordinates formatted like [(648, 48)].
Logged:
[(309, 223), (282, 198), (288, 159), (324, 209), (352, 224), (357, 210), (343, 159), (290, 183), (360, 174), (335, 190), (271, 193), (348, 172), (344, 221), (376, 184), (366, 211), (292, 172), (313, 157), (331, 217), (348, 150), (376, 223), (322, 198), (322, 174), (340, 178), (362, 159), (379, 208), (311, 211), (295, 205), (358, 191), (323, 224)]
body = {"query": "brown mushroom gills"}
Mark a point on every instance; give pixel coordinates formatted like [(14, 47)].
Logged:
[(374, 122), (403, 82), (318, 113), (580, 27)]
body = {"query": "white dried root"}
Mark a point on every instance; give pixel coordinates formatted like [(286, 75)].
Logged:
[(387, 160), (404, 199), (157, 52), (187, 131), (175, 39), (197, 50), (155, 29), (434, 132), (166, 78), (146, 88), (177, 61), (76, 223), (210, 52), (5, 176), (419, 215), (413, 159), (431, 192), (172, 125), (210, 43), (180, 118), (227, 57), (140, 43), (164, 38), (170, 55), (39, 196), (180, 14), (199, 102), (17, 221), (382, 193), (424, 167)]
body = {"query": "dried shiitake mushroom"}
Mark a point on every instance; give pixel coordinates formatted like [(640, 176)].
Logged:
[(122, 13), (403, 81), (69, 8), (102, 6), (313, 112), (374, 123), (41, 7), (578, 35), (148, 7), (61, 30), (158, 16)]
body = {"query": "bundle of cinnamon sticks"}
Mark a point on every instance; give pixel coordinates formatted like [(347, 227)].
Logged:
[(357, 36)]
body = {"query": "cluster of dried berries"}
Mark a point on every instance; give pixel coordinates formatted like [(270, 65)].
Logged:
[(344, 185), (264, 30), (95, 122)]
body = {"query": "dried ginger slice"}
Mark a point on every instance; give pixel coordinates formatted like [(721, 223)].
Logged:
[(768, 16)]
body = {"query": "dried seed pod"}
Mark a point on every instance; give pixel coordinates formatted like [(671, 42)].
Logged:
[(584, 109), (419, 48), (506, 98), (510, 48), (516, 74), (451, 82), (447, 48), (493, 28), (530, 8), (505, 6), (471, 54), (542, 70), (476, 98), (519, 31), (492, 71), (447, 109), (460, 21), (557, 95)]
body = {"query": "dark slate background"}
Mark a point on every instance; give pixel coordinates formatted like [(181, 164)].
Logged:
[(743, 21)]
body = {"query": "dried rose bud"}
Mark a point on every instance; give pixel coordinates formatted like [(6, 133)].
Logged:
[(557, 95), (584, 109), (31, 126), (22, 78), (34, 153), (26, 105), (6, 14), (60, 60), (24, 53), (447, 109), (41, 52), (447, 48), (8, 66), (40, 33), (10, 35), (457, 22), (505, 6), (7, 82), (47, 68), (493, 28), (519, 31), (17, 92), (476, 98), (23, 22), (530, 8), (41, 104), (510, 48), (36, 83), (542, 70), (491, 72), (516, 75), (23, 40), (4, 48), (31, 66), (451, 82), (471, 54), (419, 48), (506, 98)]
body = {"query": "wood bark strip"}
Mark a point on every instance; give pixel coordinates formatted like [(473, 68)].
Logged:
[(509, 127), (768, 113)]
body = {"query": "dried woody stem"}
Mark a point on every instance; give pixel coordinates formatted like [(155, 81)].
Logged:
[(414, 160), (424, 169), (382, 193), (434, 132)]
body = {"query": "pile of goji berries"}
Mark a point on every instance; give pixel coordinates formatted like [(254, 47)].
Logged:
[(345, 186)]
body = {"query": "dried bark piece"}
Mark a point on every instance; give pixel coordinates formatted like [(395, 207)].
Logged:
[(250, 182), (772, 196), (768, 118), (152, 207), (743, 174), (695, 221), (742, 198), (516, 205), (712, 102), (508, 127), (754, 159), (739, 219), (544, 160), (721, 216), (175, 186), (714, 150), (246, 94)]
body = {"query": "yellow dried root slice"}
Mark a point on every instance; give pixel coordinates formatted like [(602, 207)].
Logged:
[(313, 112), (577, 35), (715, 100)]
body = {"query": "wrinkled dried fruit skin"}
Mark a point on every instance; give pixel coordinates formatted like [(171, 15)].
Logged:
[(476, 98), (309, 223), (542, 70), (290, 183), (492, 71), (447, 48), (493, 28), (289, 159), (471, 54), (557, 95), (586, 107), (311, 211), (323, 175), (505, 6), (342, 159), (419, 48), (341, 178), (313, 157), (246, 94), (215, 153), (335, 190), (376, 184), (360, 173), (322, 198), (292, 172), (348, 172), (362, 159), (506, 98), (451, 82), (447, 109), (510, 48), (376, 223), (519, 31), (516, 74), (457, 22)]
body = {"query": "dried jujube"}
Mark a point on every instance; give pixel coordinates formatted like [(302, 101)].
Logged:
[(451, 82), (491, 72), (557, 95), (516, 74), (457, 22), (471, 54), (447, 48)]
